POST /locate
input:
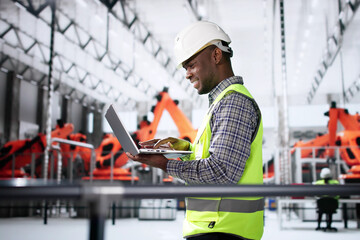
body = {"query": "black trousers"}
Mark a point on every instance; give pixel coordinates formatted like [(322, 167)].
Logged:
[(215, 236)]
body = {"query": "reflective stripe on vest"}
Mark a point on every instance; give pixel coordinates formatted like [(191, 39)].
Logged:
[(225, 205)]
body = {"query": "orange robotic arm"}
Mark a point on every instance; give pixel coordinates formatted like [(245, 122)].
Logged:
[(183, 124)]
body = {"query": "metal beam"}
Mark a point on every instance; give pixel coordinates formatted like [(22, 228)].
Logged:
[(92, 47), (353, 89), (21, 189), (41, 48), (193, 5), (283, 122), (333, 45), (129, 18)]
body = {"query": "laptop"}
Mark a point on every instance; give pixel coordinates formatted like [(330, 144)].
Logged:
[(127, 142)]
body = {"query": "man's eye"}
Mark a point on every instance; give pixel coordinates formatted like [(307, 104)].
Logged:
[(189, 66)]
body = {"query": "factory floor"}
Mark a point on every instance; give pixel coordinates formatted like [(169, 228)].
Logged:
[(131, 228)]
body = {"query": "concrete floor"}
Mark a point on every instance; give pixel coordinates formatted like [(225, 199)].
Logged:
[(132, 228)]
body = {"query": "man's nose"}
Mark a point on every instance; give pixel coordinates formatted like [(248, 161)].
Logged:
[(188, 74)]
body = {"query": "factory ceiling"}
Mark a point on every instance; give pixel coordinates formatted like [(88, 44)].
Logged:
[(120, 51)]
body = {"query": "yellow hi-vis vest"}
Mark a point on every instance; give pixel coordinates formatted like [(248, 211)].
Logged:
[(331, 181), (241, 216)]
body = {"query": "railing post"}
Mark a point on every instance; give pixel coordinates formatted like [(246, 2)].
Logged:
[(132, 172), (298, 165), (13, 166), (113, 215), (111, 167), (338, 160), (313, 170), (277, 167), (59, 167), (32, 165), (52, 165), (98, 209), (92, 159), (71, 163)]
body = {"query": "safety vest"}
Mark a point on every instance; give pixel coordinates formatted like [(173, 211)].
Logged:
[(331, 181), (322, 182), (241, 216)]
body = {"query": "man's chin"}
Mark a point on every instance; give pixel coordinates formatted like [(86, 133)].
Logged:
[(202, 91)]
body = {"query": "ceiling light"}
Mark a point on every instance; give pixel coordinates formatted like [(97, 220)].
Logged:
[(99, 18), (112, 32), (310, 18), (82, 3), (314, 3), (4, 70), (202, 11), (303, 45)]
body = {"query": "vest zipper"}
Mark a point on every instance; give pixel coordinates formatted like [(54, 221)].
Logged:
[(211, 225)]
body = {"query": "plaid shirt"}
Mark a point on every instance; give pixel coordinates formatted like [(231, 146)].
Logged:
[(233, 123)]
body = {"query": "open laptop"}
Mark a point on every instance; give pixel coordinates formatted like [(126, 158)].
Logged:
[(127, 142)]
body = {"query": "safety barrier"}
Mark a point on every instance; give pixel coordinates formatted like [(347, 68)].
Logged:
[(98, 196), (62, 165), (317, 158), (56, 166)]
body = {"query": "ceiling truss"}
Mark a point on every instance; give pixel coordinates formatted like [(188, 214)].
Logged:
[(333, 47), (28, 55), (353, 90), (194, 7)]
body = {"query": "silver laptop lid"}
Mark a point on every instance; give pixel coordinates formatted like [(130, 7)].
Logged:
[(120, 132)]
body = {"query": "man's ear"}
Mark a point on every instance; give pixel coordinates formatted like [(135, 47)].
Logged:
[(217, 55)]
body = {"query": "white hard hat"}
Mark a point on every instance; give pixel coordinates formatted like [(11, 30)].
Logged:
[(196, 37), (325, 173)]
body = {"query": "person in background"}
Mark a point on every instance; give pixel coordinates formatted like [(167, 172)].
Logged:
[(326, 204), (228, 145)]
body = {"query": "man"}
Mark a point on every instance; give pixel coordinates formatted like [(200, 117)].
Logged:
[(228, 146), (326, 204)]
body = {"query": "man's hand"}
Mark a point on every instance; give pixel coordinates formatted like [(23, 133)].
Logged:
[(170, 142), (153, 160), (149, 143)]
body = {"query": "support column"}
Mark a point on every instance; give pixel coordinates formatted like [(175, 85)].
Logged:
[(42, 105), (66, 109), (50, 91), (97, 134), (283, 124), (85, 121), (12, 107)]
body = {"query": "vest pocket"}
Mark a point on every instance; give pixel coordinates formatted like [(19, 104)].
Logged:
[(194, 216)]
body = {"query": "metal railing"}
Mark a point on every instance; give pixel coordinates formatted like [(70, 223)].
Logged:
[(337, 164), (99, 196), (297, 163)]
